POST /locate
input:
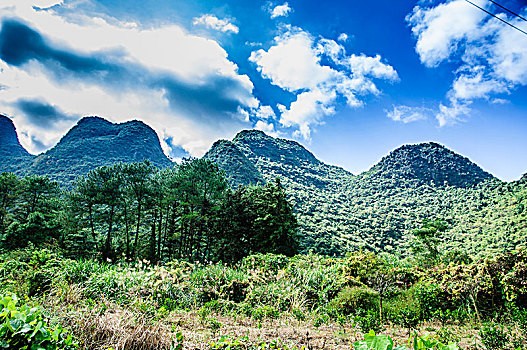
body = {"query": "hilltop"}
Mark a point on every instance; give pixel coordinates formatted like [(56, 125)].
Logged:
[(13, 157), (91, 143), (338, 211)]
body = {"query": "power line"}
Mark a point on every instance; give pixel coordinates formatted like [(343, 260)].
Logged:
[(506, 9), (493, 15)]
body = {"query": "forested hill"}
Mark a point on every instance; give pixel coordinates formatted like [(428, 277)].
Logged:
[(13, 156), (378, 209), (338, 211), (267, 158), (91, 143), (428, 164)]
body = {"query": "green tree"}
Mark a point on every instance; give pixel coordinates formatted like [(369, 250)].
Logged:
[(275, 226), (138, 179), (35, 215), (9, 190), (426, 243)]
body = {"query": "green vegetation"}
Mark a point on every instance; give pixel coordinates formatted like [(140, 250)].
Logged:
[(309, 300), (423, 251), (136, 211), (92, 143), (337, 212), (379, 209), (24, 327)]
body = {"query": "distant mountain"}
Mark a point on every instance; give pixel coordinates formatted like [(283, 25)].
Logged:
[(91, 143), (376, 210), (267, 158), (238, 168), (13, 157), (313, 186), (428, 163), (379, 209)]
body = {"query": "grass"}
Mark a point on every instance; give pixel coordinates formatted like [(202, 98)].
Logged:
[(304, 301)]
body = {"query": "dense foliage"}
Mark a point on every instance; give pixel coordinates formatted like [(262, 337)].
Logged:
[(92, 143), (452, 302), (337, 211), (379, 209), (24, 327), (135, 210)]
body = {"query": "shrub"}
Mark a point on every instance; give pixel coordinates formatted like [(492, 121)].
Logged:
[(39, 282), (24, 327), (403, 310), (493, 336), (352, 300), (430, 298), (369, 321)]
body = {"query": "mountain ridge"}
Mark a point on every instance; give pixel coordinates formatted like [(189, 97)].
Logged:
[(338, 211), (93, 142)]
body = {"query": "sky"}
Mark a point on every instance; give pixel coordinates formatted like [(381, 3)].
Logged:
[(350, 80)]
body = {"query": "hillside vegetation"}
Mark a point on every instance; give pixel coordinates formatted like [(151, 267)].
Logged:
[(378, 209), (268, 301), (93, 142), (337, 211)]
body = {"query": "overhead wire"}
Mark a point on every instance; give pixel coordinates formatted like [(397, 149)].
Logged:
[(493, 15), (506, 9)]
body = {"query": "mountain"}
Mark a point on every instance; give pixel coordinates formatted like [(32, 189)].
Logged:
[(238, 168), (428, 163), (379, 209), (13, 157), (338, 212), (267, 158), (91, 143)]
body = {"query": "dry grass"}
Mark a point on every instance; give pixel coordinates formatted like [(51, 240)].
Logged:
[(119, 329), (104, 324)]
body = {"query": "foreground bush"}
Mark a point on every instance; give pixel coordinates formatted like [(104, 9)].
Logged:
[(24, 327), (384, 342)]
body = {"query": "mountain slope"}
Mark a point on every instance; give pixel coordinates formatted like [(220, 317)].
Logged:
[(238, 168), (428, 163), (338, 212), (378, 209), (94, 142), (13, 157), (91, 143)]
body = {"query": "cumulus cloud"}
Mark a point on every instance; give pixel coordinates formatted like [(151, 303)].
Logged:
[(280, 10), (295, 63), (55, 69), (408, 114), (491, 57), (213, 22), (343, 37)]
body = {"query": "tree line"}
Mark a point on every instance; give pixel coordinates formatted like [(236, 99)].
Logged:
[(137, 211)]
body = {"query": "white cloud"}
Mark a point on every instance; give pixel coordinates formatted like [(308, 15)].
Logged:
[(192, 98), (294, 63), (213, 22), (343, 37), (473, 84), (440, 29), (280, 10), (47, 3), (453, 113), (491, 56), (268, 128), (265, 113), (408, 114)]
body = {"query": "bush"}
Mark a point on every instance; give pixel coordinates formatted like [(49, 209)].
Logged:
[(493, 336), (430, 298), (403, 310), (24, 327), (370, 321), (353, 300)]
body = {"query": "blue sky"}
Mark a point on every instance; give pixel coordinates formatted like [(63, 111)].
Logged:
[(350, 80)]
